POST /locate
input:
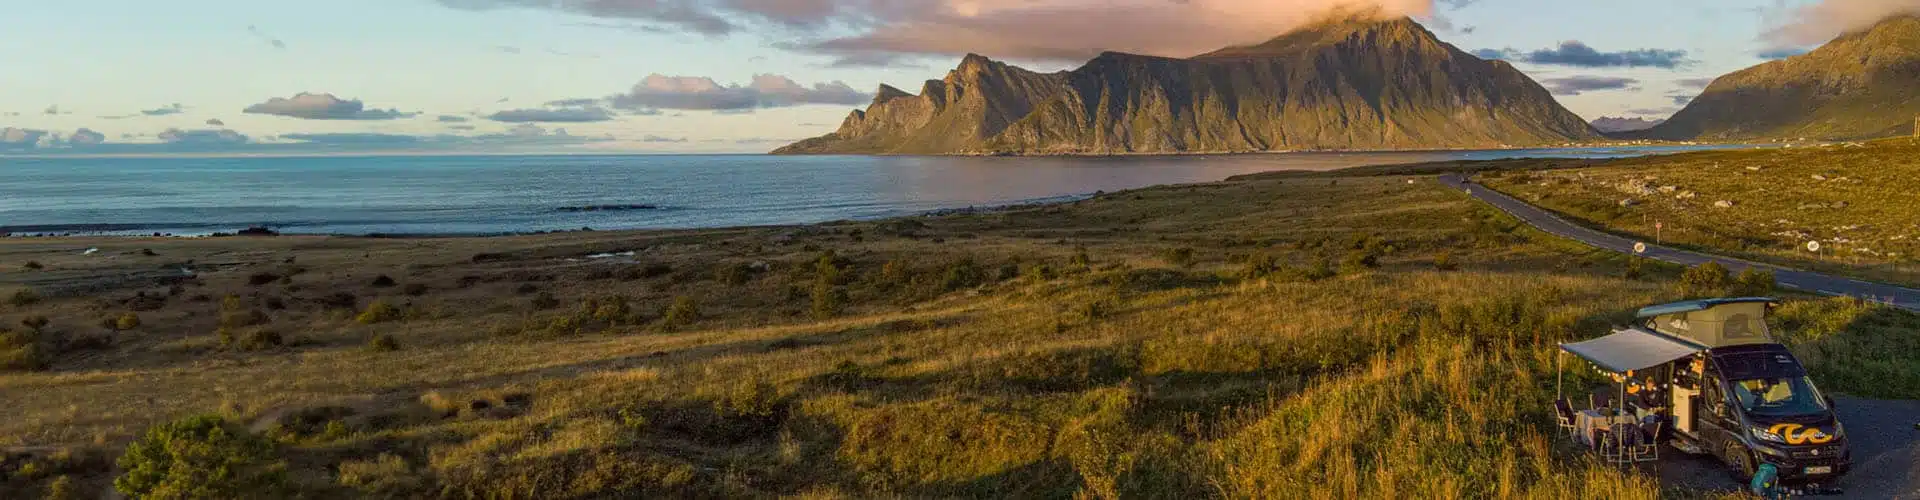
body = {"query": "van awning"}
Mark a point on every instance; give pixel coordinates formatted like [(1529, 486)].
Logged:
[(1632, 349)]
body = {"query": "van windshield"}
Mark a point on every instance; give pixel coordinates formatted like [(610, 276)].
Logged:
[(1779, 397)]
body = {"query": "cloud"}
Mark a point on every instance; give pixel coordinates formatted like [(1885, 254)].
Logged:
[(173, 109), (1576, 85), (1818, 23), (655, 138), (701, 93), (553, 115), (1775, 54), (354, 139), (323, 107), (1061, 30), (216, 122), (202, 137), (55, 110), (85, 137), (1681, 99), (450, 119), (1694, 83), (20, 138), (264, 37), (1580, 55), (1654, 111), (506, 49), (460, 127)]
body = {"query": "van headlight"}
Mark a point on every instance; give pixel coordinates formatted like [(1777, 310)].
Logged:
[(1766, 435)]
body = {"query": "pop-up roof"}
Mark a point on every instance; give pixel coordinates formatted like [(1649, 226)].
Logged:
[(1713, 322)]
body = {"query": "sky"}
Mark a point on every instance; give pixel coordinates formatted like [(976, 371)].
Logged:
[(699, 76)]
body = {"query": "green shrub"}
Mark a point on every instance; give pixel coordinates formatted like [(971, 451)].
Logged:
[(1260, 266), (1636, 268), (828, 300), (200, 457), (895, 274), (62, 488), (383, 343), (33, 265), (735, 274), (962, 275), (1444, 262), (1359, 261), (378, 312), (1705, 280), (1754, 282), (126, 321), (234, 313), (23, 297), (680, 314), (249, 339), (387, 475), (1178, 257), (25, 350), (544, 301)]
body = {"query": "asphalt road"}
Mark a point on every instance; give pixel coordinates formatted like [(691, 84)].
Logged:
[(1902, 297)]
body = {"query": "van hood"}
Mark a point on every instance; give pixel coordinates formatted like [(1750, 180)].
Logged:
[(1800, 430)]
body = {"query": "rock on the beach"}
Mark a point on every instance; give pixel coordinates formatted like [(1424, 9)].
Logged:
[(1723, 204), (1629, 202)]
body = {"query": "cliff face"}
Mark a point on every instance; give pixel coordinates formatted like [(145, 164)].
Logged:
[(1861, 85), (1338, 85)]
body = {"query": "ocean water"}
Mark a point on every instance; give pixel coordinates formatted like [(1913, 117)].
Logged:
[(505, 194)]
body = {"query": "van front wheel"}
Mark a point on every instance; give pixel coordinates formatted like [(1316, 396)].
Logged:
[(1740, 462)]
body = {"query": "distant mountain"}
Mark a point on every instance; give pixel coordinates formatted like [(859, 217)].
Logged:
[(1610, 124), (1861, 85), (1341, 84)]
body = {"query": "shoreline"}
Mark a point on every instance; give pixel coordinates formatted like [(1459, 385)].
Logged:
[(112, 230)]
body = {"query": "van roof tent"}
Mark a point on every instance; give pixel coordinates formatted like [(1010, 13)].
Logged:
[(1699, 305), (1632, 349), (1713, 323)]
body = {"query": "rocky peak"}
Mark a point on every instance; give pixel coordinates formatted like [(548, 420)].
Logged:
[(888, 93), (1357, 32)]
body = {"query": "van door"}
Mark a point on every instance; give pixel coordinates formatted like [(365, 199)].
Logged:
[(1716, 422)]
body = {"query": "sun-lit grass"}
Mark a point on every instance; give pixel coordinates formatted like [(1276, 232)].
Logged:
[(1117, 347), (1856, 199)]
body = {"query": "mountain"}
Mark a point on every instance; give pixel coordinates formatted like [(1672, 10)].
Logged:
[(1863, 84), (1608, 124), (1340, 84)]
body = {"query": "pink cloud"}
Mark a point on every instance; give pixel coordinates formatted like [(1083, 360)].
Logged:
[(1818, 23)]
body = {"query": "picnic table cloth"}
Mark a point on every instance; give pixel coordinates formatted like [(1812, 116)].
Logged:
[(1587, 425)]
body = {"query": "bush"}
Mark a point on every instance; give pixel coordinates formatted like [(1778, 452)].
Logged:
[(962, 275), (234, 313), (1444, 262), (387, 475), (23, 297), (1709, 279), (735, 274), (682, 313), (1260, 266), (1359, 261), (383, 343), (378, 312), (33, 266), (544, 301), (249, 339), (127, 321), (653, 270), (828, 300), (200, 457), (415, 289), (27, 350), (383, 281), (1179, 257), (1754, 282), (258, 279)]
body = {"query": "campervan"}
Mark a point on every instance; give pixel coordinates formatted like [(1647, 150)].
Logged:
[(1742, 396)]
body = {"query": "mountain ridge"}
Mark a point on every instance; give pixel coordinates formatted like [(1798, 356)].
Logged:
[(1862, 84), (1342, 84)]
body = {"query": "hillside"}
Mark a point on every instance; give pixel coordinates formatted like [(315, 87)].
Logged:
[(1338, 85), (1863, 84)]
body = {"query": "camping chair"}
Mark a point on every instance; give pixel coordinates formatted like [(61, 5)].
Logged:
[(1597, 402), (1563, 416), (1618, 443), (1649, 449)]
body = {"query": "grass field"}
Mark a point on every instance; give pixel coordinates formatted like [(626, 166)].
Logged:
[(1856, 199), (1377, 337)]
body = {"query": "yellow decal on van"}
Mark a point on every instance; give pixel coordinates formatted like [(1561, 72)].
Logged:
[(1788, 432)]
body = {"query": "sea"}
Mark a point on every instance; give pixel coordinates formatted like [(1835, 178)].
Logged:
[(478, 195)]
